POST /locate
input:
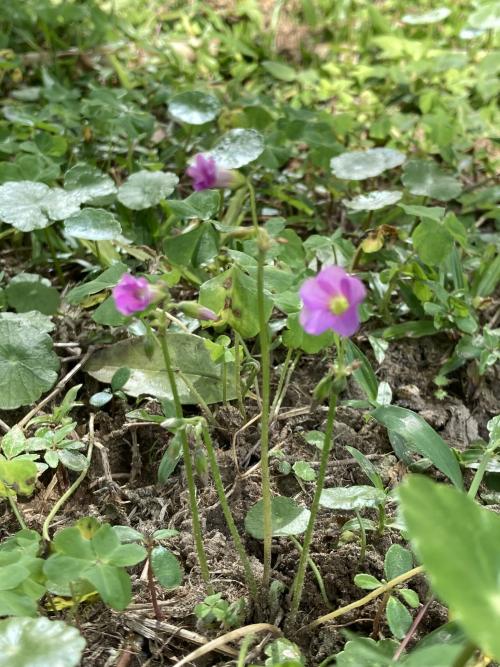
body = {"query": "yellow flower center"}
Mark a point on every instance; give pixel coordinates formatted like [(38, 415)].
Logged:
[(338, 305)]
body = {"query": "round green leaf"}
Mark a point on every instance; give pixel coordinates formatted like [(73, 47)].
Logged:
[(288, 518), (27, 205), (148, 375), (423, 177), (304, 471), (486, 17), (372, 201), (93, 224), (73, 460), (88, 184), (29, 291), (38, 642), (237, 148), (358, 165), (398, 617), (166, 567), (351, 497), (28, 365), (146, 188), (194, 107), (434, 16), (398, 560), (432, 241)]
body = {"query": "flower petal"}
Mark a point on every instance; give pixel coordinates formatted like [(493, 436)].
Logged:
[(348, 323), (313, 295), (353, 289), (330, 278), (315, 321)]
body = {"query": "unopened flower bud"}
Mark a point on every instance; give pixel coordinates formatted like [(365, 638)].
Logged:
[(196, 310)]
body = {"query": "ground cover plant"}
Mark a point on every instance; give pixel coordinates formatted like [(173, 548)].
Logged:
[(249, 333)]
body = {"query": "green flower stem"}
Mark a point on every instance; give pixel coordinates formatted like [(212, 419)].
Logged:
[(298, 584), (70, 491), (237, 373), (316, 572), (480, 472), (281, 381), (188, 465), (278, 399), (362, 531), (204, 407), (17, 512), (249, 576), (464, 656), (265, 395)]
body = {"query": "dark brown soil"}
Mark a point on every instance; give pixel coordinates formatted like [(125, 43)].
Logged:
[(131, 497)]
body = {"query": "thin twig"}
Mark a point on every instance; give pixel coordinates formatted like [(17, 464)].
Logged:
[(4, 427), (226, 639), (57, 389), (416, 622)]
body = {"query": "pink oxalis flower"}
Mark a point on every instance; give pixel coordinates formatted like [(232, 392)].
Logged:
[(132, 295), (331, 301), (207, 174)]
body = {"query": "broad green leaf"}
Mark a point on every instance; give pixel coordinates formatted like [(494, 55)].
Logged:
[(170, 459), (433, 242), (304, 471), (367, 467), (28, 365), (166, 567), (106, 280), (398, 617), (434, 16), (437, 656), (288, 518), (148, 376), (280, 71), (202, 205), (34, 318), (29, 291), (420, 437), (89, 184), (93, 224), (435, 213), (423, 177), (39, 642), (316, 438), (127, 534), (194, 107), (232, 295), (412, 329), (351, 497), (364, 375), (27, 205), (466, 575), (16, 603), (398, 560), (367, 582), (145, 189), (373, 201), (73, 460), (283, 653), (359, 165), (365, 652), (410, 597), (486, 16), (237, 148), (112, 583), (12, 575), (13, 442)]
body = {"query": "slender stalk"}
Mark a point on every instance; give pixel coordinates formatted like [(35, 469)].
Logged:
[(17, 512), (237, 373), (245, 645), (367, 598), (316, 572), (298, 584), (201, 402), (219, 486), (70, 491), (478, 477), (151, 587), (281, 381), (362, 531), (188, 465), (463, 657), (265, 396), (224, 381)]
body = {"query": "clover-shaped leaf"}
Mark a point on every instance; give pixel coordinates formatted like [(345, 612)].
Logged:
[(434, 16), (38, 642), (88, 184), (28, 365), (93, 224), (372, 201), (351, 497), (146, 188), (237, 148), (27, 205), (194, 107), (423, 177), (358, 165), (288, 518), (94, 553)]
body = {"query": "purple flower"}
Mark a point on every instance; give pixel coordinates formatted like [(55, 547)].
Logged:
[(330, 301), (132, 294), (206, 174)]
